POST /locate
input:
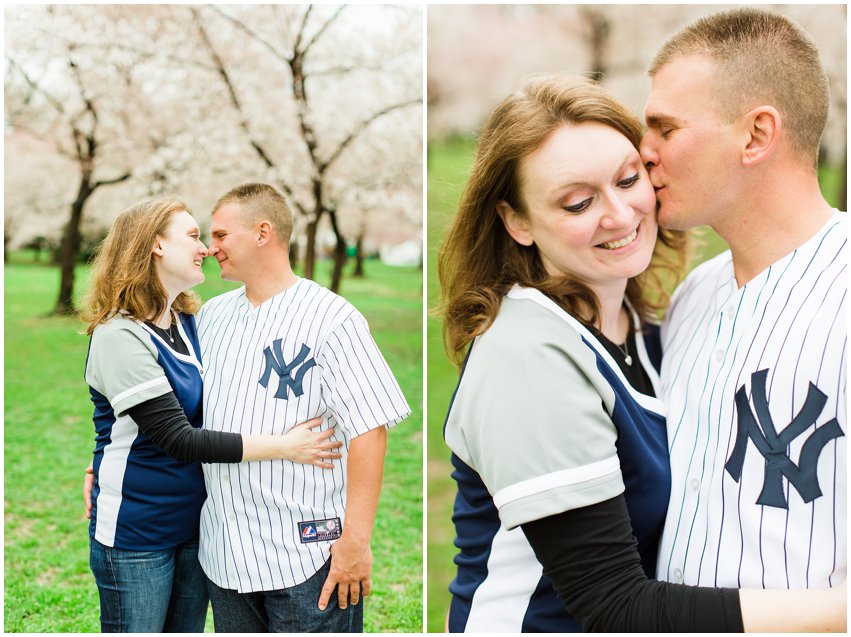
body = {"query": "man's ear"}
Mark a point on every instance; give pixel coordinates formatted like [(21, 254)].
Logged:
[(763, 126), (158, 246), (516, 225), (263, 232)]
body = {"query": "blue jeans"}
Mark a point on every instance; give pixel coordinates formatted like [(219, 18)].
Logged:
[(150, 591), (287, 610)]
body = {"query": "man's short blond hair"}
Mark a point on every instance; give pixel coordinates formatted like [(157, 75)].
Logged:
[(761, 58), (258, 202)]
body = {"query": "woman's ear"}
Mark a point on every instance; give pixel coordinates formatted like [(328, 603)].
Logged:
[(158, 246), (516, 225)]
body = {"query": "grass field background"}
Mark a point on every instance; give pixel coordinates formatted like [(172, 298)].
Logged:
[(49, 438), (448, 168)]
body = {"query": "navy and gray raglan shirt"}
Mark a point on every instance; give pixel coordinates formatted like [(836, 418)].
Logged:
[(142, 499), (543, 421)]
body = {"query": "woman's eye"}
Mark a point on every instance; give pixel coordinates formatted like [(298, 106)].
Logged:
[(629, 181), (579, 207)]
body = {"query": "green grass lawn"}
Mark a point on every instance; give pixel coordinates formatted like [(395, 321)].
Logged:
[(449, 165), (49, 438)]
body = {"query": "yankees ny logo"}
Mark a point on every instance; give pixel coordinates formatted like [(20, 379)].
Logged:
[(773, 446), (286, 381)]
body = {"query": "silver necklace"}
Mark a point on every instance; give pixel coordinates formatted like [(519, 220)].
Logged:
[(625, 351), (169, 333)]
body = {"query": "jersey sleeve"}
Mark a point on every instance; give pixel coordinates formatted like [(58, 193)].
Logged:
[(529, 419), (163, 420), (357, 383), (122, 365), (591, 557)]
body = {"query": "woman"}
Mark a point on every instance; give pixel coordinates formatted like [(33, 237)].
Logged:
[(144, 372), (552, 276)]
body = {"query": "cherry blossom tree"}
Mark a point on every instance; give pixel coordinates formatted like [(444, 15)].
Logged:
[(89, 97), (341, 76), (472, 69), (141, 100)]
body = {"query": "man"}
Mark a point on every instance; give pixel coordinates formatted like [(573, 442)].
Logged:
[(278, 537), (755, 341)]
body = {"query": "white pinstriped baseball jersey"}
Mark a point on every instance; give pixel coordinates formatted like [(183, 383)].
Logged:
[(755, 381), (305, 352)]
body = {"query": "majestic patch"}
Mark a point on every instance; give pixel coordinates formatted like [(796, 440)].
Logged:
[(760, 429), (320, 530)]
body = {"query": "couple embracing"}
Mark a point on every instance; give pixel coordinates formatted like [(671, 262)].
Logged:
[(295, 400), (618, 475)]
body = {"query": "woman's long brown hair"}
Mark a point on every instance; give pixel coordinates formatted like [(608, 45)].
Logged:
[(124, 277), (479, 262)]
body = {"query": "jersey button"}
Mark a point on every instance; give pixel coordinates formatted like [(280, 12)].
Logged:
[(231, 517), (677, 576), (694, 484), (225, 478), (719, 355)]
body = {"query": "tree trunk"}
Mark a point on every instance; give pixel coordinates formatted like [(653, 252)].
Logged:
[(310, 249), (339, 264), (339, 251), (358, 273), (69, 248), (293, 254), (597, 39)]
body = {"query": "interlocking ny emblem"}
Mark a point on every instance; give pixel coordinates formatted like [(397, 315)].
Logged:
[(773, 446), (286, 381)]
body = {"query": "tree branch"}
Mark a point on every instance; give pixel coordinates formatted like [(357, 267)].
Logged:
[(114, 180), (36, 87), (284, 22), (322, 29), (144, 55), (248, 31), (87, 102), (302, 27), (219, 66), (343, 70), (360, 128), (47, 139)]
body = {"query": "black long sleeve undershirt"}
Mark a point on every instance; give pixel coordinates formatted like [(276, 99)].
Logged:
[(591, 556), (163, 420)]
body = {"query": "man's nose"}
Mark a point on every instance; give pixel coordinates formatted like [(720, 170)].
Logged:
[(648, 153)]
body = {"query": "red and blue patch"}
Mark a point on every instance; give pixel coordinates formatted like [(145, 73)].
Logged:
[(320, 530)]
